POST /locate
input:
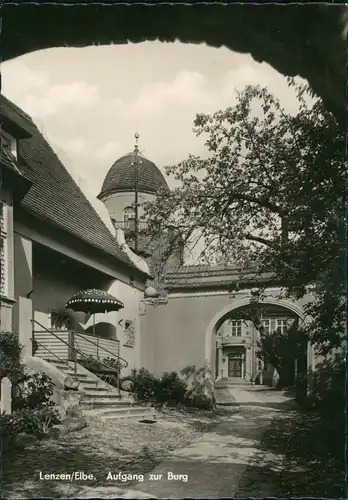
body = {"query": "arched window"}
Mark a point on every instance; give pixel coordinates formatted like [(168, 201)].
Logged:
[(129, 216)]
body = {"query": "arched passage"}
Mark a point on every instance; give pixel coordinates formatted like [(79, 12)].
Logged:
[(297, 39), (219, 318)]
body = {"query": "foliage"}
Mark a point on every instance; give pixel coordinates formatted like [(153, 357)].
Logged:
[(31, 393), (145, 384), (281, 350), (113, 363), (270, 198), (170, 389), (35, 421), (328, 387), (196, 382), (10, 352), (34, 391), (98, 365), (107, 369)]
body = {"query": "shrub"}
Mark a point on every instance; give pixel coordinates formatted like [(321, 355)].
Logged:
[(199, 401), (31, 394), (98, 365), (34, 391), (34, 421), (114, 364), (328, 387), (171, 389), (145, 385), (10, 353)]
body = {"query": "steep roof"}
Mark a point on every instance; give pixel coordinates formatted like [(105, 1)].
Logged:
[(54, 196), (121, 177)]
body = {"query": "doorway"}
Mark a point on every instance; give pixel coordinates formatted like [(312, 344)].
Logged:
[(235, 366)]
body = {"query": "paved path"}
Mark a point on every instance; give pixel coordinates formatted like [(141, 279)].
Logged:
[(213, 466)]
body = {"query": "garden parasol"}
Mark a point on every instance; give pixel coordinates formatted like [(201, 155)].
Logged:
[(94, 301)]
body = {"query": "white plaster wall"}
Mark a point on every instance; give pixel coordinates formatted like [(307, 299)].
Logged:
[(131, 298), (117, 202)]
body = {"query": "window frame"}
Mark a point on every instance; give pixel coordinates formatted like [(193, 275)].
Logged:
[(283, 326), (266, 329), (12, 140), (236, 327), (129, 333), (52, 312), (126, 218)]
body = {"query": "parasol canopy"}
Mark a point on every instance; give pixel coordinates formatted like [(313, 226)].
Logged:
[(94, 301)]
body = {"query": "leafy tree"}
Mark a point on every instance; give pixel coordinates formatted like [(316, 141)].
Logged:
[(282, 350), (270, 197)]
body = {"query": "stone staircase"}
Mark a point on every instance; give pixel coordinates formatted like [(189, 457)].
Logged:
[(102, 400), (233, 382)]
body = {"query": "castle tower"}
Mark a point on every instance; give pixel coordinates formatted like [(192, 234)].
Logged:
[(130, 182)]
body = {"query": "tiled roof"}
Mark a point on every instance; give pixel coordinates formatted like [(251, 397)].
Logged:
[(218, 276), (54, 195), (11, 113), (121, 177)]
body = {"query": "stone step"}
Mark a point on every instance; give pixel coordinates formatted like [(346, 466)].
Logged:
[(93, 388), (122, 412), (91, 384), (106, 402), (89, 395), (69, 371), (134, 416)]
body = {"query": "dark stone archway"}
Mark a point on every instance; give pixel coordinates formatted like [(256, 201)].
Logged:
[(297, 39)]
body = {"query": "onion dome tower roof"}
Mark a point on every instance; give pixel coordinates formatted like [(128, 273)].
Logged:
[(121, 177)]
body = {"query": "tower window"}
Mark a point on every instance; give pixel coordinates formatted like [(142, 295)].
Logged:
[(129, 215)]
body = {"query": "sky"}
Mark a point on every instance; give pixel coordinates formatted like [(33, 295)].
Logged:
[(89, 102)]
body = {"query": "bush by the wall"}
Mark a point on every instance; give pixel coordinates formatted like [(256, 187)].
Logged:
[(170, 389), (31, 393), (34, 391), (35, 421), (328, 384), (145, 385), (199, 401), (10, 353), (97, 365), (101, 367)]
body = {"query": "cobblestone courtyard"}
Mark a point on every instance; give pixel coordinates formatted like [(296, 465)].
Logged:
[(270, 449)]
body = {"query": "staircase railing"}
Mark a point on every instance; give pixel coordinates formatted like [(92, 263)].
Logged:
[(66, 363), (76, 351)]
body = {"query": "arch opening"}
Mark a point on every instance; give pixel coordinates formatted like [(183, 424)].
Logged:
[(231, 342)]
